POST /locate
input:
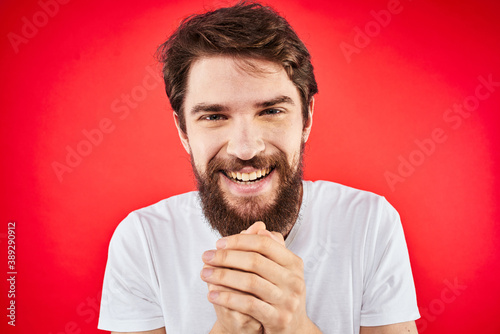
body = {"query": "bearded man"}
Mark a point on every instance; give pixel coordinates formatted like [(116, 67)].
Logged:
[(242, 88)]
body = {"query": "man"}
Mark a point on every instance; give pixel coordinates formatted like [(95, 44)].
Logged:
[(295, 256)]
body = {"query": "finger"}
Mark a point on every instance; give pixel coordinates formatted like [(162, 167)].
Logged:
[(278, 237), (247, 261), (216, 287), (235, 317), (256, 227), (242, 281), (243, 303), (236, 320), (262, 245), (212, 287)]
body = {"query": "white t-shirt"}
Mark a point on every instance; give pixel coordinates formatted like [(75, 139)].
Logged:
[(356, 264)]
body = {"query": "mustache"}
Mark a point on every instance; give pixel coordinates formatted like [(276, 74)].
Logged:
[(217, 164)]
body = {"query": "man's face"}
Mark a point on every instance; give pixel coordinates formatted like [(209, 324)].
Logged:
[(245, 133)]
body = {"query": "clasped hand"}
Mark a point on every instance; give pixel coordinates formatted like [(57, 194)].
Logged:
[(256, 284)]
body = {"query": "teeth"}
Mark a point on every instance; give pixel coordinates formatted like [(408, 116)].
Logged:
[(249, 176)]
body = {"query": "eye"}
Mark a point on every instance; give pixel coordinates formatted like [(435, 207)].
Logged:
[(271, 111), (213, 117)]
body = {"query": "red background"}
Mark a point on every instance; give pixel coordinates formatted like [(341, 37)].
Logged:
[(73, 70)]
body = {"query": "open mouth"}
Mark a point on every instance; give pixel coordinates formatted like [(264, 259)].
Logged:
[(248, 177)]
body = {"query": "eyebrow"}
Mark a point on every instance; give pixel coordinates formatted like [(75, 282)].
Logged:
[(204, 107), (275, 101), (208, 107)]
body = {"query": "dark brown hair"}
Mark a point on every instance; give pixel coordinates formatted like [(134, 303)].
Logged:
[(246, 29)]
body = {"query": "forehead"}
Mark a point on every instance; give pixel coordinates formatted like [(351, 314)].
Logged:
[(227, 80)]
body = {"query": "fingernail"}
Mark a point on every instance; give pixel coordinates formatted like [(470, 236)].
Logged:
[(212, 295), (208, 255), (207, 272), (221, 243)]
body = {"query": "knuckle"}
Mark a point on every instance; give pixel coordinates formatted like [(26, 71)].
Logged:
[(241, 318), (222, 256), (245, 319), (265, 242), (235, 240), (276, 294), (255, 262), (251, 305), (294, 304), (225, 298), (284, 319), (220, 275), (255, 325), (253, 282), (297, 285)]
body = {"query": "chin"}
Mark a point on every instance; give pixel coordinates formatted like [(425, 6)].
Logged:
[(250, 206)]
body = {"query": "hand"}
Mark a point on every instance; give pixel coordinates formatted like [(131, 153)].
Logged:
[(265, 281), (229, 321)]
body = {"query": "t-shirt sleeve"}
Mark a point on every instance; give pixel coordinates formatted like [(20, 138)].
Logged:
[(389, 293), (130, 291)]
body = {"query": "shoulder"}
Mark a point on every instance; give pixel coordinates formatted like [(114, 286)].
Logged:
[(170, 207), (160, 217), (340, 209), (326, 194)]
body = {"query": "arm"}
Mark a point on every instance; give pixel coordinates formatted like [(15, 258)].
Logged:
[(154, 331), (403, 327)]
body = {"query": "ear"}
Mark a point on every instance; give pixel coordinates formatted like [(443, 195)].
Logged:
[(308, 124), (182, 135)]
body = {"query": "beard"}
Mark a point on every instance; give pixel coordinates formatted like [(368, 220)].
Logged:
[(279, 214)]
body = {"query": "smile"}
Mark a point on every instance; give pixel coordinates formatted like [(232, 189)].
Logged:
[(248, 177)]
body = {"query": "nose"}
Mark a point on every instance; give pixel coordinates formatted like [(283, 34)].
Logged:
[(246, 140)]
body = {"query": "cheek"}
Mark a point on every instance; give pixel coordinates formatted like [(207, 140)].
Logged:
[(203, 148), (288, 141)]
